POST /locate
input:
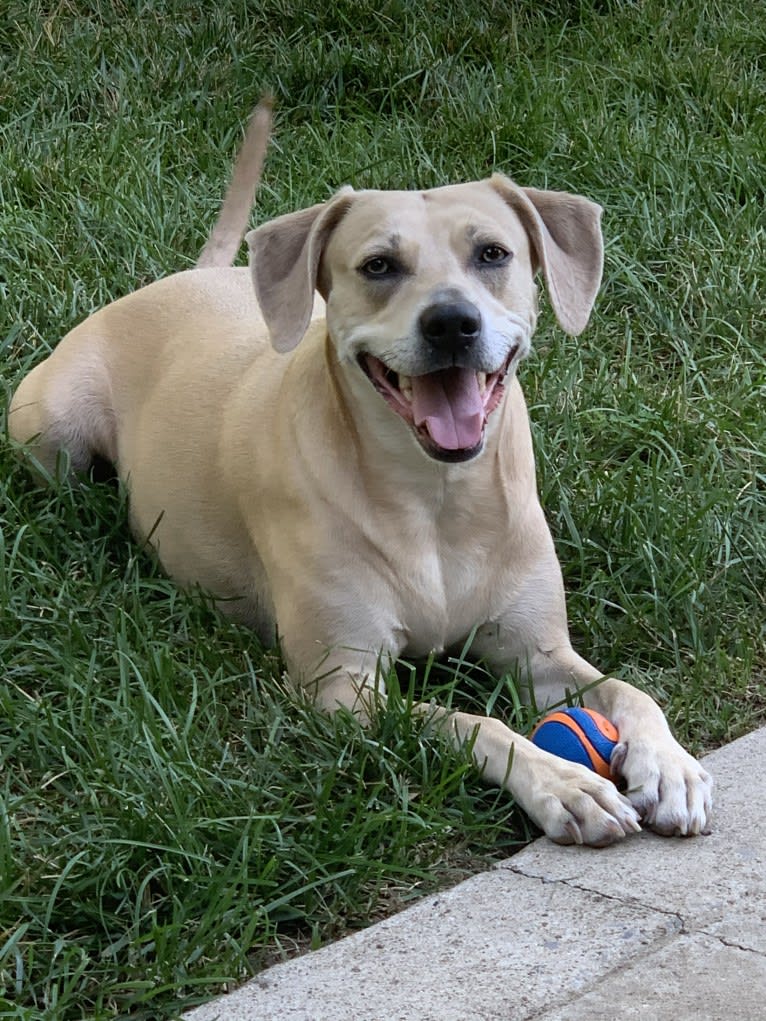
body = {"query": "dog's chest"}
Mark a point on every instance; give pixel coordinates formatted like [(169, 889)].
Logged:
[(426, 563), (445, 589)]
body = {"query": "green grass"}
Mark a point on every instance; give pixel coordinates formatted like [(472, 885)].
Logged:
[(173, 817)]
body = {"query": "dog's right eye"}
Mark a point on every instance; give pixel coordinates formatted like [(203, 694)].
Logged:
[(492, 255), (378, 267)]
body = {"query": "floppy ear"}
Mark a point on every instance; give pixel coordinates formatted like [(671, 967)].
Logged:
[(566, 237), (284, 262)]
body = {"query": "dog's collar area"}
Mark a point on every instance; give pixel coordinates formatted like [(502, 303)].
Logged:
[(447, 409)]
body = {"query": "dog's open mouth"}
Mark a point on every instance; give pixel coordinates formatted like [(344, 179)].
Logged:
[(447, 409)]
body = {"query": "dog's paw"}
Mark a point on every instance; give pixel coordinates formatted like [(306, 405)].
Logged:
[(573, 805), (669, 789)]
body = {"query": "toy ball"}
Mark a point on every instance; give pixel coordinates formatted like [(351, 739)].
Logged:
[(579, 735)]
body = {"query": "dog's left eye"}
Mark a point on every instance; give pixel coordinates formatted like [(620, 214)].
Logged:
[(378, 266), (492, 255)]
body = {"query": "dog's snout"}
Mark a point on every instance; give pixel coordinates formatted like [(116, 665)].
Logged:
[(451, 326)]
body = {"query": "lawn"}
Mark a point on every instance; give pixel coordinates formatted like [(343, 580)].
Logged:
[(173, 817)]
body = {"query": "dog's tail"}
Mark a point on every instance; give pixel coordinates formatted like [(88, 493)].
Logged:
[(226, 237)]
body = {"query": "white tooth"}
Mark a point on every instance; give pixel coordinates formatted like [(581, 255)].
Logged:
[(482, 378), (405, 386)]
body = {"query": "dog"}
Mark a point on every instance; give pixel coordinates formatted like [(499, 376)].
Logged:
[(354, 473)]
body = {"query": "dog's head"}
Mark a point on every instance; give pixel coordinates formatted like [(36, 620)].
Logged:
[(431, 295)]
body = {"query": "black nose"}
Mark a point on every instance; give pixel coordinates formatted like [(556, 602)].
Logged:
[(451, 326)]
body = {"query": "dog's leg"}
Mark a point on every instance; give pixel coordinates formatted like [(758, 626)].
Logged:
[(349, 675), (569, 802), (349, 688), (63, 406), (668, 788)]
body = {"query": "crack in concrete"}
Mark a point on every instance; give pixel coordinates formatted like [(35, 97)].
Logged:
[(730, 943), (684, 929), (651, 948)]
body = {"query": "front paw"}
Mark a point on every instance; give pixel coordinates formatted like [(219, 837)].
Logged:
[(669, 789), (573, 805)]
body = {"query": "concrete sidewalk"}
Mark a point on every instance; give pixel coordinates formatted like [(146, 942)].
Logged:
[(652, 928)]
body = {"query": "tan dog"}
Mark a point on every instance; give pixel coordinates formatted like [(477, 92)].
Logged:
[(367, 489)]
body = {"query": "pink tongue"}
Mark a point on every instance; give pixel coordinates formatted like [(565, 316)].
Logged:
[(450, 405)]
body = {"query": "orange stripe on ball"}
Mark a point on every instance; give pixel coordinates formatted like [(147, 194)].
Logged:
[(600, 766)]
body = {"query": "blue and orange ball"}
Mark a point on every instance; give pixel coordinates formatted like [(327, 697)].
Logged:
[(579, 735)]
